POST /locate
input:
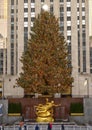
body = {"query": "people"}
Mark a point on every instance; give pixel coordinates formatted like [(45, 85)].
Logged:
[(20, 125), (62, 126), (37, 127), (49, 126), (25, 126)]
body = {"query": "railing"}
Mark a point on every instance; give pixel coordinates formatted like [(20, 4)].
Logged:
[(44, 127)]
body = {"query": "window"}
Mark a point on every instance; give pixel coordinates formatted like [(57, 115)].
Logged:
[(16, 36), (1, 54), (68, 27), (25, 29), (84, 43), (61, 9), (69, 38), (83, 17), (68, 18), (32, 1), (62, 28), (16, 27), (16, 10), (84, 61), (32, 9), (12, 36), (32, 19), (69, 50), (77, 1), (68, 8), (83, 1), (12, 70), (12, 2), (51, 9), (78, 17), (61, 0), (12, 19), (12, 10), (12, 45), (16, 2), (25, 9), (51, 0), (12, 27), (83, 26), (26, 19), (68, 0), (25, 1), (78, 9), (83, 8), (42, 0), (78, 26), (61, 18), (1, 62)]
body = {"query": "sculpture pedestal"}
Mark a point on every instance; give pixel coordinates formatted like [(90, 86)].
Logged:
[(45, 119)]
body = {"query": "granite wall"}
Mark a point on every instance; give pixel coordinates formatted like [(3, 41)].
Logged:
[(86, 118)]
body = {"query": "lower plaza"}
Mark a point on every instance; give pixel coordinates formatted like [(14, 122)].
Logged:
[(44, 126)]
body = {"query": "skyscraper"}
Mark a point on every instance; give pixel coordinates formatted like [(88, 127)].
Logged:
[(74, 24), (3, 40)]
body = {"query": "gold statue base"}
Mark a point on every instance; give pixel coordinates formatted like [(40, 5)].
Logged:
[(45, 119)]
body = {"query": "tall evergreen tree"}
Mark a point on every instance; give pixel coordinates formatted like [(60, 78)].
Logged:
[(45, 61)]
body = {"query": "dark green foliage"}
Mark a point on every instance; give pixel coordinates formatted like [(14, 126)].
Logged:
[(14, 108), (76, 108)]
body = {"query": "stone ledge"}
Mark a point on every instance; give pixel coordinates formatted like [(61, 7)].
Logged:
[(77, 114), (14, 114)]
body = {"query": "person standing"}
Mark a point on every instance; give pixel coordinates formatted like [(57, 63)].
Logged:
[(37, 127), (25, 126), (62, 127), (49, 126)]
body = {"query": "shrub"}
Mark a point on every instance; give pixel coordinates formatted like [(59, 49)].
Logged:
[(76, 108), (14, 108)]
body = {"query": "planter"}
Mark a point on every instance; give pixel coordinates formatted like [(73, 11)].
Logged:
[(77, 114), (14, 114)]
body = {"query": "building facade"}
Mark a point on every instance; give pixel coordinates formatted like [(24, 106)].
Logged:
[(74, 24), (3, 42)]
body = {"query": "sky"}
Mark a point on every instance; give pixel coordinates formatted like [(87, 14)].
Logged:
[(90, 17)]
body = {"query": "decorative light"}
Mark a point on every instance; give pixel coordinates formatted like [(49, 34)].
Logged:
[(45, 7)]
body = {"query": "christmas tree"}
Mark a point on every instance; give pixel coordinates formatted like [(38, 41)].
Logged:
[(45, 61)]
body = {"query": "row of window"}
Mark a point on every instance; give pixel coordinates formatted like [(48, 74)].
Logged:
[(83, 9), (33, 1), (51, 9)]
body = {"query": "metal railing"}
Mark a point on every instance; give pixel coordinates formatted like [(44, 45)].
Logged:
[(44, 127)]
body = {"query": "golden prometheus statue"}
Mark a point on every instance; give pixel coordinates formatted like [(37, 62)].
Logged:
[(45, 112)]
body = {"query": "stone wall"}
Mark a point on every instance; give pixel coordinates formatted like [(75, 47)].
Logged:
[(60, 113), (3, 118), (87, 118)]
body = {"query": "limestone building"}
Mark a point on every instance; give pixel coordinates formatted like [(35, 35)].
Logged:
[(74, 24)]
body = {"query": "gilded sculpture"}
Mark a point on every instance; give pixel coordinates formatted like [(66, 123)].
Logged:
[(45, 112)]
